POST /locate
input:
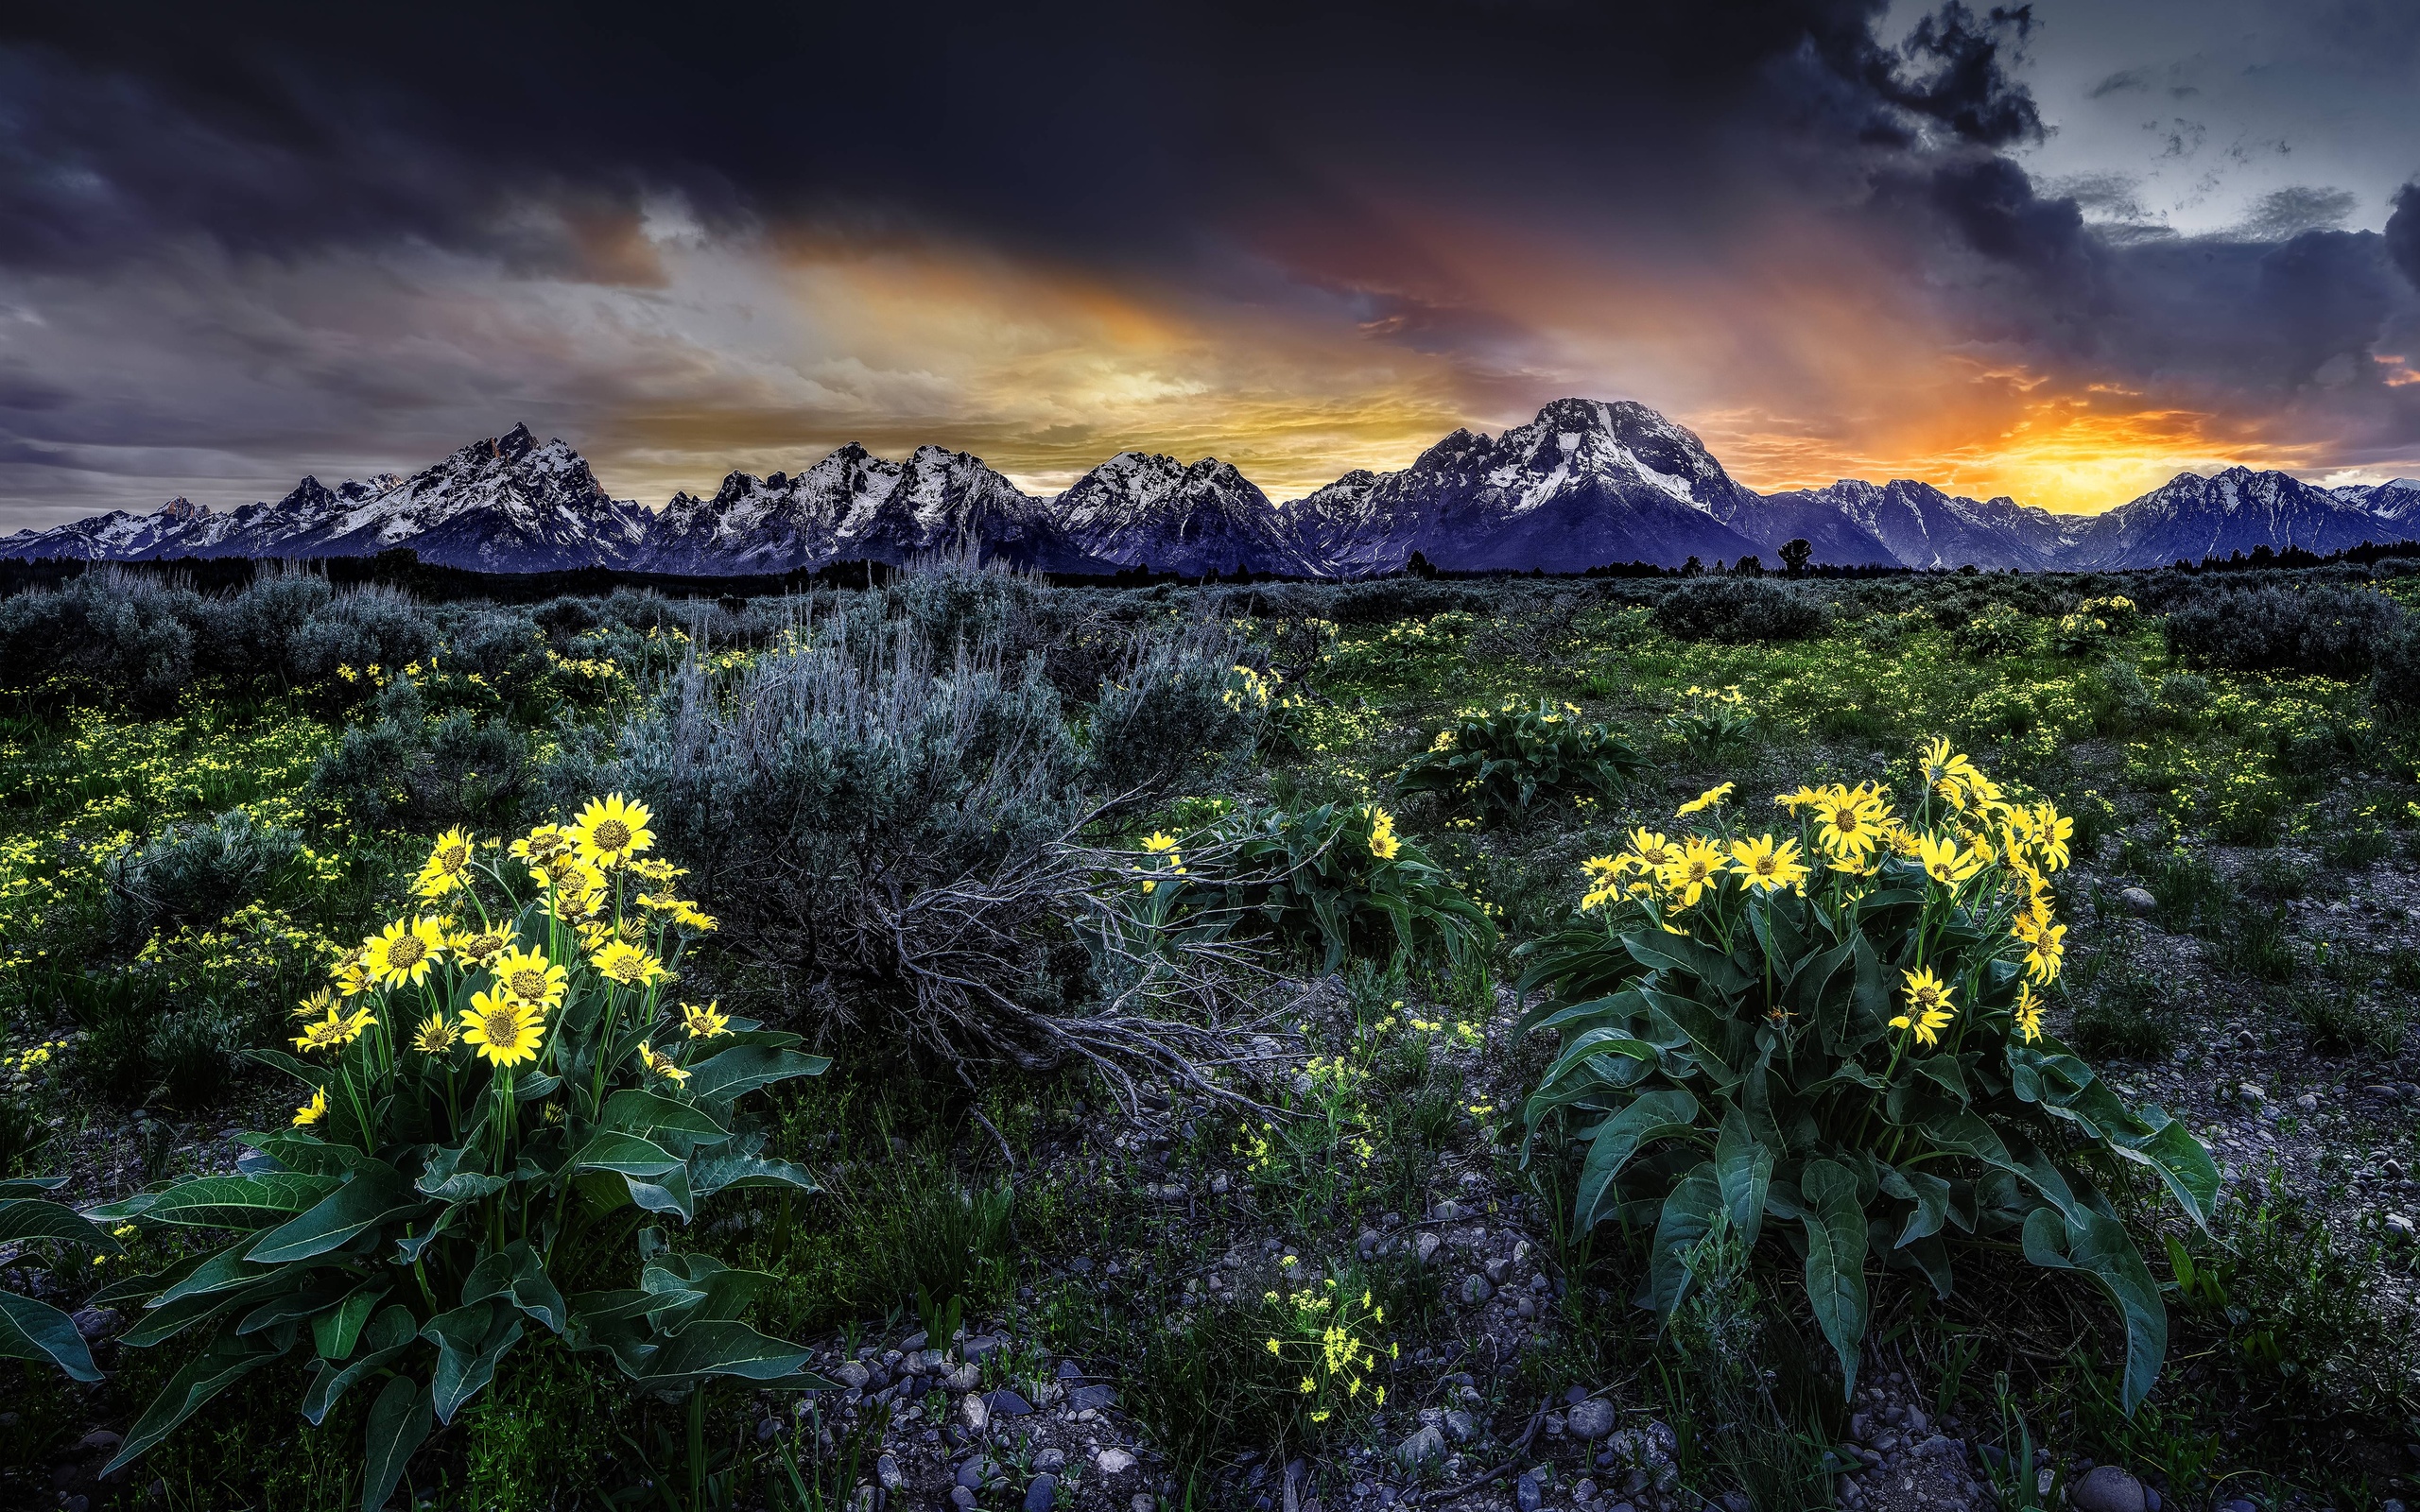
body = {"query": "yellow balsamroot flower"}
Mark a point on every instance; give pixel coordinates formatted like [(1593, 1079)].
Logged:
[(1849, 821), (662, 1065), (688, 916), (2050, 948), (542, 845), (402, 953), (312, 1111), (1806, 797), (1947, 861), (1929, 1008), (503, 1029), (624, 962), (1383, 843), (1703, 801), (335, 1031), (2052, 831), (1766, 866), (477, 947), (611, 830), (706, 1022), (1941, 765), (448, 866), (318, 1006), (2027, 1013), (1698, 867), (434, 1037), (529, 978)]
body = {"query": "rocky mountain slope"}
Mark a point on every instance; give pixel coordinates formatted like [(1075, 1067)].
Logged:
[(1585, 484)]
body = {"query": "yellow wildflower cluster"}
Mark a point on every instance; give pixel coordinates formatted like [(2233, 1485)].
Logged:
[(1162, 856), (1330, 1338), (21, 1069), (1677, 874), (1383, 843)]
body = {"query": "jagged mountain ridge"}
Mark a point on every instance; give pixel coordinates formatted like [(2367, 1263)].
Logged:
[(1586, 483)]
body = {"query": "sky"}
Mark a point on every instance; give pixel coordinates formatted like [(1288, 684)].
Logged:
[(2061, 250)]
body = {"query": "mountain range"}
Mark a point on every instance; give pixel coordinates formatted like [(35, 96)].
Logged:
[(1587, 482)]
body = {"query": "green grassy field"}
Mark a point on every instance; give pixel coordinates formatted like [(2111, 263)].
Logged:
[(1172, 1013)]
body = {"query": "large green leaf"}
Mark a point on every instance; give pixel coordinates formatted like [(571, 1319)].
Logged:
[(517, 1275), (226, 1361), (389, 1336), (25, 1218), (373, 1196), (2098, 1246), (1650, 1116), (715, 1346), (259, 1201), (744, 1068), (399, 1423), (334, 1331), (631, 1155), (634, 1110), (1836, 1243), (469, 1341), (1688, 1214), (37, 1331), (1685, 955), (739, 1166), (2182, 1160), (1744, 1168)]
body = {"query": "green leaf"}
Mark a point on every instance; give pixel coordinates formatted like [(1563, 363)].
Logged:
[(1650, 1116), (721, 1347), (469, 1341), (37, 1331), (634, 1110), (240, 1201), (389, 1336), (226, 1361), (1744, 1168), (517, 1275), (376, 1196), (24, 1218), (1835, 1241), (631, 1155), (298, 1151), (1931, 1196), (1687, 957), (732, 1168), (334, 1331), (399, 1423), (1688, 1214), (2098, 1244), (2183, 1162)]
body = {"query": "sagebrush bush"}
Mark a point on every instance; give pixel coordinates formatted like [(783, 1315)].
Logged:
[(125, 633), (408, 767), (194, 872), (2000, 631), (2323, 629), (898, 826), (1740, 608)]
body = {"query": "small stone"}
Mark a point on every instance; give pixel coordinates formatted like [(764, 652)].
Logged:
[(1008, 1404), (1422, 1447), (1448, 1211), (887, 1475), (1476, 1290), (1459, 1424), (976, 1415), (1526, 1492), (2138, 899), (1584, 1491), (2251, 1092), (99, 1441), (1092, 1396), (1144, 1501), (964, 1378), (1051, 1460), (1427, 1248), (1551, 1425), (96, 1323), (962, 1497), (1112, 1462), (1591, 1420), (2400, 1226), (2108, 1488), (1041, 1493), (914, 1342), (1496, 1270), (852, 1373), (1218, 1184)]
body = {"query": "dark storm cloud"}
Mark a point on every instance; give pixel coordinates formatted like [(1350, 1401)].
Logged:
[(2403, 233), (1103, 130)]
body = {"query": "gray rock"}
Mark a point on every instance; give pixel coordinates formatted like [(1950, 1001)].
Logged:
[(2306, 1103), (982, 1345), (852, 1373), (976, 1416), (2400, 1227), (975, 1472), (2108, 1488), (962, 1497), (96, 1323), (1422, 1447), (2138, 899), (965, 1378), (1526, 1492), (1112, 1462), (914, 1342), (888, 1474), (1051, 1460), (1092, 1396), (2237, 1506), (1476, 1290), (1008, 1404), (1591, 1420), (1459, 1424), (1429, 1244), (1042, 1493)]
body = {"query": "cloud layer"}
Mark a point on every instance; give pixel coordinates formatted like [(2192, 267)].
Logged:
[(269, 239)]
